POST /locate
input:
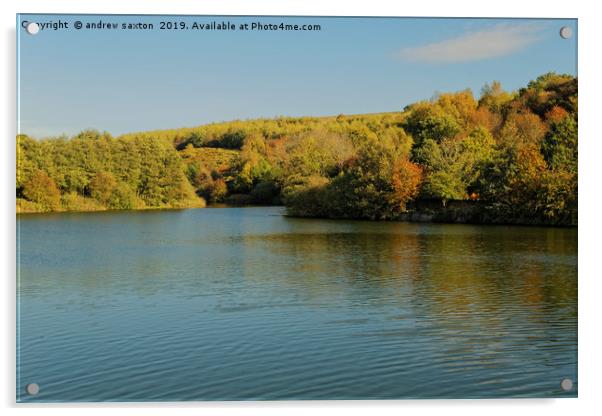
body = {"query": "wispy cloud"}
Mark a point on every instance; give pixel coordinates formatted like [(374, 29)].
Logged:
[(492, 42)]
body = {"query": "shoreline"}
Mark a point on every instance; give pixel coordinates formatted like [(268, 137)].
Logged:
[(442, 216), (422, 218)]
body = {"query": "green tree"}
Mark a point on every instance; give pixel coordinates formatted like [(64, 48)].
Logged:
[(559, 147), (122, 197), (102, 186), (432, 127), (444, 170)]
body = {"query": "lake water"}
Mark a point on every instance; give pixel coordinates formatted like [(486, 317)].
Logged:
[(245, 303)]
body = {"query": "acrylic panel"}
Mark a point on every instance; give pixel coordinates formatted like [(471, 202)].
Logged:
[(295, 208)]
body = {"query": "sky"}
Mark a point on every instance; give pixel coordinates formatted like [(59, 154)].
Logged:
[(124, 81)]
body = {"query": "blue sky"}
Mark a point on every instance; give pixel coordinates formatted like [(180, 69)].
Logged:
[(123, 81)]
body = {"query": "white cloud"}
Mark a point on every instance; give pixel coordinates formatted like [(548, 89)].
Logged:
[(495, 41)]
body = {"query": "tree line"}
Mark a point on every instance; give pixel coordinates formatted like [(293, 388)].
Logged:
[(501, 157), (94, 171)]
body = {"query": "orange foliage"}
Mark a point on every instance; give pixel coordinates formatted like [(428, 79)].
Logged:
[(530, 162), (406, 180), (556, 114), (529, 126), (486, 118)]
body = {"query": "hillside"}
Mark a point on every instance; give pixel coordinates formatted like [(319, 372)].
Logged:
[(504, 157)]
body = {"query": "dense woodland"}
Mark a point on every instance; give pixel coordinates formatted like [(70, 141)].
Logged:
[(506, 157)]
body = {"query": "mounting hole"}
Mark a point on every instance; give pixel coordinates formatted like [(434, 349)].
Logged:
[(32, 28), (32, 389), (566, 32), (566, 384)]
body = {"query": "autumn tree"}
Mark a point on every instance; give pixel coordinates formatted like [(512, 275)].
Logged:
[(406, 179), (513, 152), (41, 189)]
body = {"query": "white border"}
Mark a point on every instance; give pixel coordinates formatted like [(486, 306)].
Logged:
[(590, 201)]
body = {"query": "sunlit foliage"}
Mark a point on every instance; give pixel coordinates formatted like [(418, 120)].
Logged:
[(125, 173), (511, 156)]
